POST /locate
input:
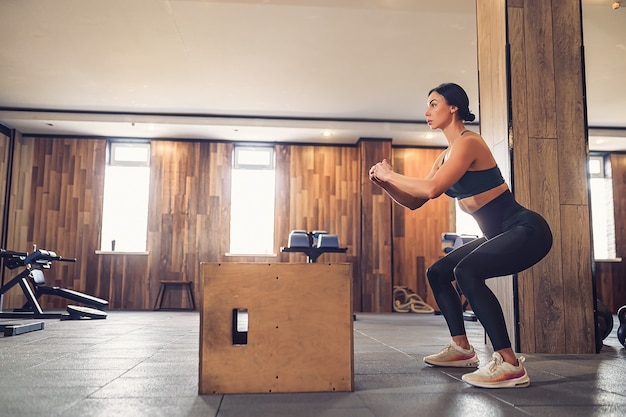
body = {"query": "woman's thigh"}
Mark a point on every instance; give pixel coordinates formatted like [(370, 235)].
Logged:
[(508, 253), (447, 264)]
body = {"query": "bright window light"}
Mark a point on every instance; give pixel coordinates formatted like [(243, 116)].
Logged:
[(132, 154), (602, 214), (125, 203), (252, 201)]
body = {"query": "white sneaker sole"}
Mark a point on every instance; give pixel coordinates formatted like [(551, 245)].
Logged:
[(454, 364), (521, 382)]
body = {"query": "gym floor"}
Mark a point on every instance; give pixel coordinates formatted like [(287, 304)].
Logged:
[(146, 364)]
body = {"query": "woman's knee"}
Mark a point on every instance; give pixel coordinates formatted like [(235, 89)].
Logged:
[(438, 275), (432, 275), (466, 277)]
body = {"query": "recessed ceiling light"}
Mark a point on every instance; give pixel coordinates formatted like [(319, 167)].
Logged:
[(327, 133), (429, 135)]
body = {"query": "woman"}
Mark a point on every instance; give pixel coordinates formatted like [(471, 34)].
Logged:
[(515, 238)]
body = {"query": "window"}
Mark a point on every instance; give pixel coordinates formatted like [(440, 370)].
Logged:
[(602, 215), (125, 202), (252, 201), (465, 224)]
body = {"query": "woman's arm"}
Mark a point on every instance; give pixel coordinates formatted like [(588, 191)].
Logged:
[(398, 195), (414, 192)]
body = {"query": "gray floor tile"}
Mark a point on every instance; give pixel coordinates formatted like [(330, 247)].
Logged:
[(146, 364), (145, 407)]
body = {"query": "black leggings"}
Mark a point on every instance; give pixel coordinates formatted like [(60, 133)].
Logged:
[(515, 239)]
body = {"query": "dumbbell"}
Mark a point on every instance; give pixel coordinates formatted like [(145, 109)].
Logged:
[(621, 330)]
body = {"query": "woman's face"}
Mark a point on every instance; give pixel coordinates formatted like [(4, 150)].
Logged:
[(438, 113)]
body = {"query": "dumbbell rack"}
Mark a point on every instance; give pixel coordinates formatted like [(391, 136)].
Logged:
[(311, 251)]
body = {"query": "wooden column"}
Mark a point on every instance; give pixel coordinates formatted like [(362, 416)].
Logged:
[(491, 27), (376, 239), (543, 87)]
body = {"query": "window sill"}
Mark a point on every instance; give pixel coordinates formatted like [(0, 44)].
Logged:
[(108, 252), (248, 255), (609, 260)]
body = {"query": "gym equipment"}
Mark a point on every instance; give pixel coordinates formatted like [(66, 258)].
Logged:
[(14, 328), (621, 330), (31, 279), (165, 285), (327, 241), (313, 244), (298, 239), (605, 320), (451, 241), (82, 312), (406, 300)]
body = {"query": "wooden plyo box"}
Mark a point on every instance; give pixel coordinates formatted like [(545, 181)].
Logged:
[(299, 328)]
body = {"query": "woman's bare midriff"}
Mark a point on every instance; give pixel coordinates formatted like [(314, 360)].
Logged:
[(473, 203)]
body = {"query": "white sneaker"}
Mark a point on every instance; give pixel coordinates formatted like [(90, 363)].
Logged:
[(499, 374), (455, 356)]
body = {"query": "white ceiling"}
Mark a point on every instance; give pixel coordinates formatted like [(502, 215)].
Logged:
[(264, 70)]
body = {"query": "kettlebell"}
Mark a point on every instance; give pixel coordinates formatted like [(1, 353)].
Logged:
[(621, 331)]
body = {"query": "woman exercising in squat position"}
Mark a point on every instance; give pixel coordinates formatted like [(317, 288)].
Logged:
[(515, 238)]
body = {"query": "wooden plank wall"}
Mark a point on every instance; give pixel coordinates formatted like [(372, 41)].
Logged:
[(548, 140), (126, 280), (417, 234), (318, 189), (56, 203), (189, 210), (376, 232), (4, 174), (5, 141), (494, 120)]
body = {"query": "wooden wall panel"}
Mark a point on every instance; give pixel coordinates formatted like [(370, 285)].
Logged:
[(418, 233), (323, 195), (494, 120), (569, 95), (318, 189), (548, 143), (56, 204), (19, 207), (122, 280), (538, 55), (4, 174), (376, 232), (546, 278), (519, 107), (189, 214), (547, 139), (56, 201), (5, 146)]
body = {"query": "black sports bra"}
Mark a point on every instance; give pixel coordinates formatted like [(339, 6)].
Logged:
[(476, 182)]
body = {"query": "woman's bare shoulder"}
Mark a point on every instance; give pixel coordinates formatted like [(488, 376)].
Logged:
[(475, 144)]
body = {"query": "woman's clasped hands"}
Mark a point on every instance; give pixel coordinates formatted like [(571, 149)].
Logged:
[(381, 171)]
